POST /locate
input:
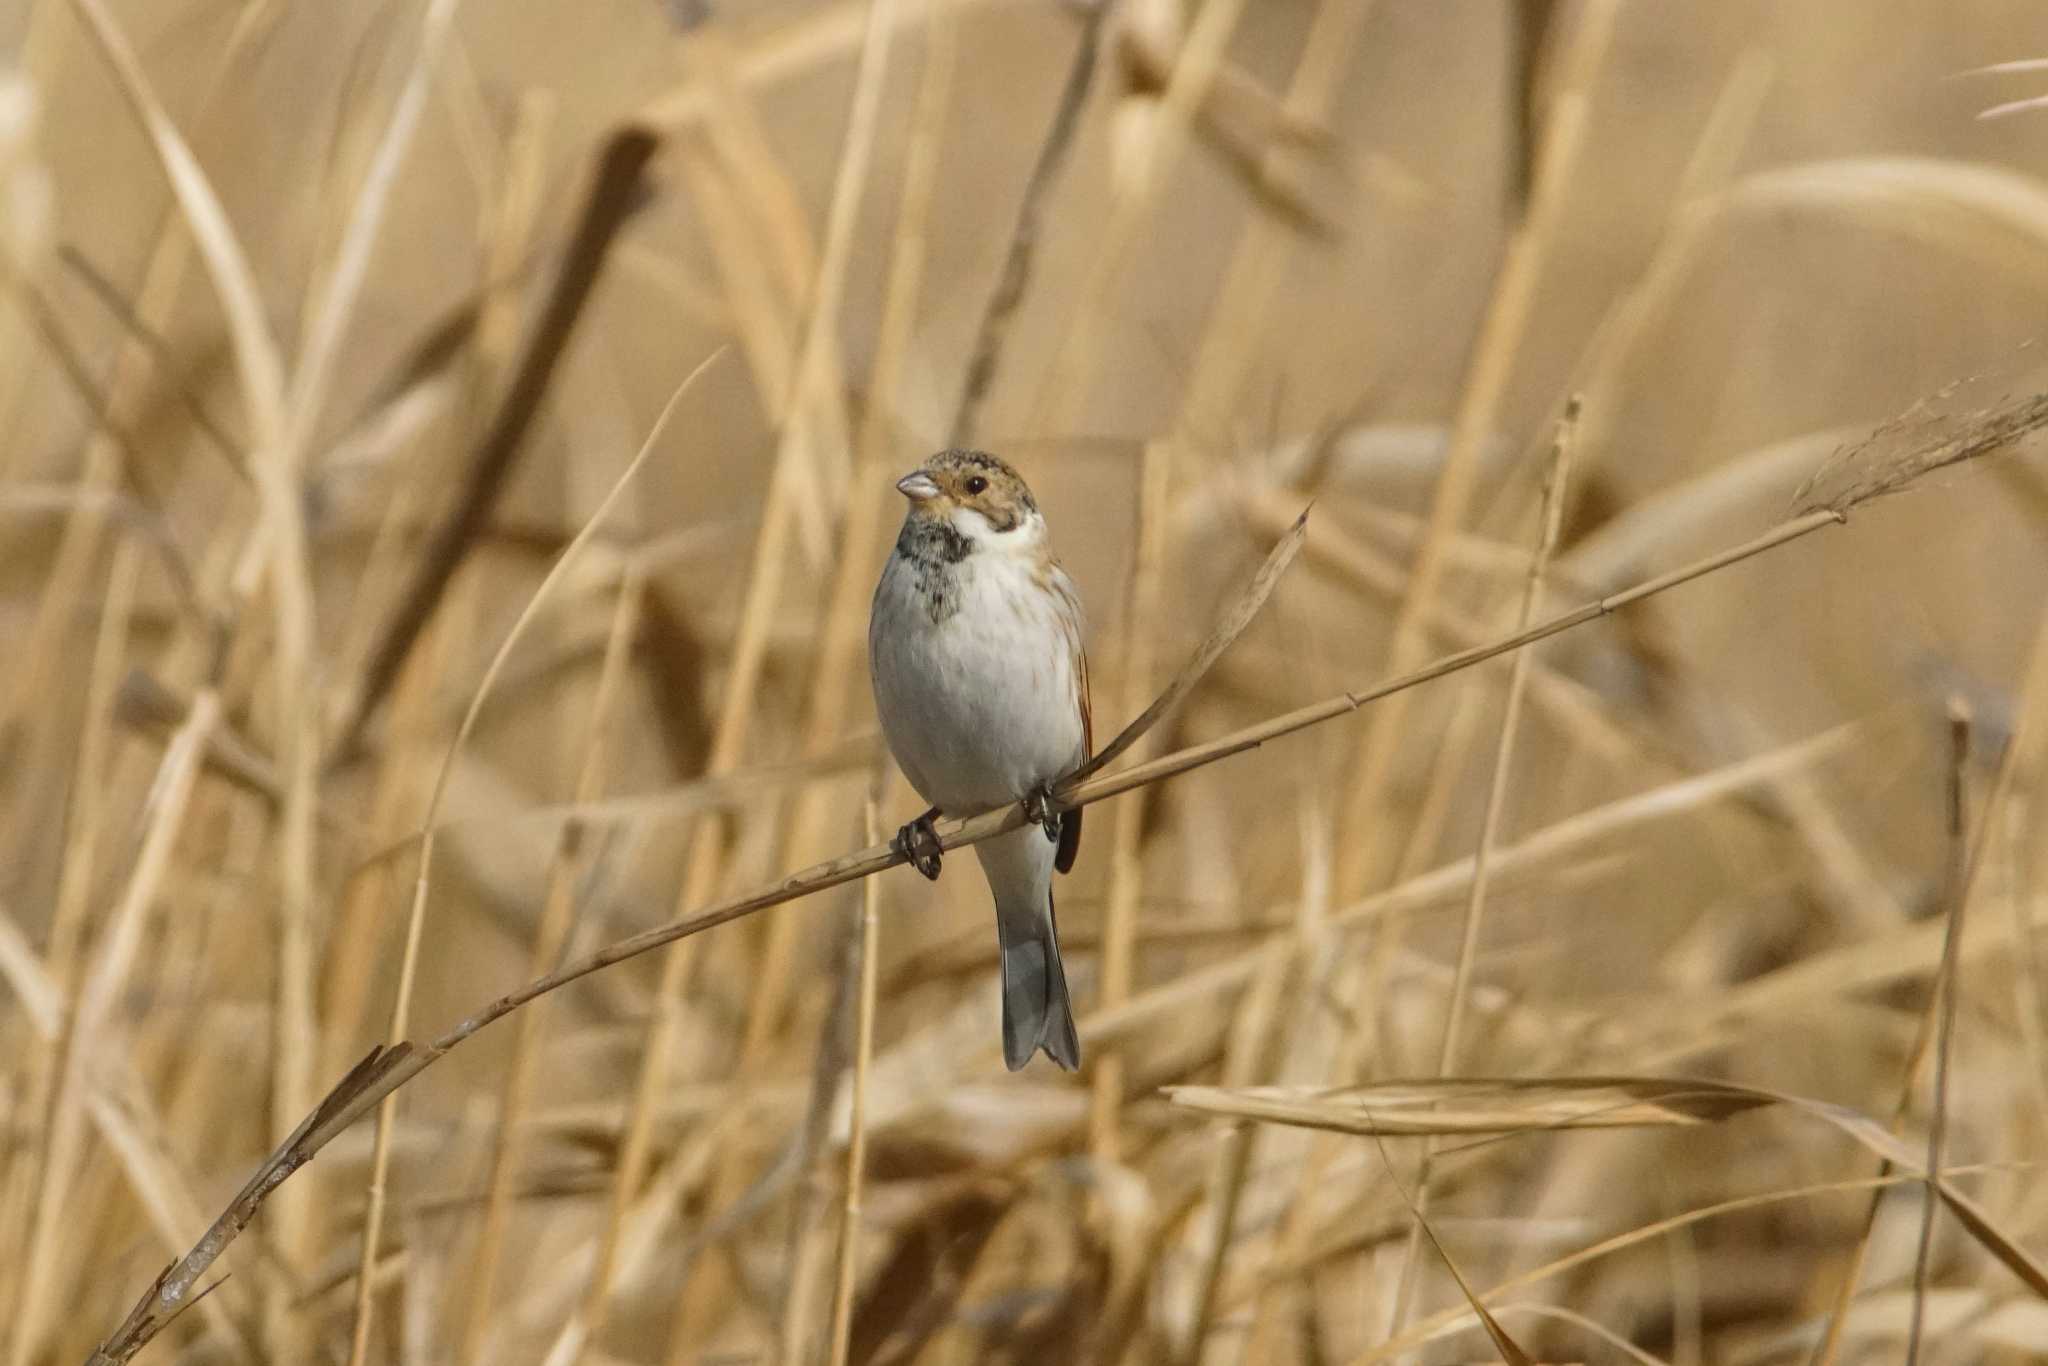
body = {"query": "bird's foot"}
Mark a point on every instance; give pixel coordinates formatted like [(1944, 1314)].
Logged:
[(1038, 809), (918, 842)]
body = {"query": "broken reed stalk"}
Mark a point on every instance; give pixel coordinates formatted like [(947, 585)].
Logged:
[(1489, 372), (416, 920), (809, 444), (1550, 525), (1944, 1010), (2018, 756), (1009, 291), (613, 195), (565, 864), (1144, 606), (387, 1068), (856, 1143)]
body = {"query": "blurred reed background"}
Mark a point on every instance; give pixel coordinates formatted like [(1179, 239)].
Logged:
[(1354, 250)]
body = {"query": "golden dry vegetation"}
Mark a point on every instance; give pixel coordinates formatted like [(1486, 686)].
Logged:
[(1629, 985)]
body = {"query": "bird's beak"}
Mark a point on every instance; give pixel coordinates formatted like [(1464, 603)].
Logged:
[(917, 486)]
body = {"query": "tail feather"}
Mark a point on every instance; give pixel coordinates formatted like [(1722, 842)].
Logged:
[(1036, 1011)]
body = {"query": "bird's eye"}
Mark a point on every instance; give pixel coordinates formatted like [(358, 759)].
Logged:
[(976, 484)]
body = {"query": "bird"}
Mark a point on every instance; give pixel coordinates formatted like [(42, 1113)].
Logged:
[(981, 687)]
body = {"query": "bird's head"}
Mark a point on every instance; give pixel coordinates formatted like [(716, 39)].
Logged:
[(976, 495)]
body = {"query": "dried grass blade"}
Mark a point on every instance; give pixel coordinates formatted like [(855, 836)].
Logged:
[(315, 371), (1483, 1106), (1225, 634), (1510, 1351), (610, 201), (1402, 1109), (256, 351), (408, 969), (1008, 294), (856, 1147), (1944, 1006), (956, 833), (1447, 1321), (2011, 107)]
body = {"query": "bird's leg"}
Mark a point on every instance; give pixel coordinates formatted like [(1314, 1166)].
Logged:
[(1038, 808), (919, 845)]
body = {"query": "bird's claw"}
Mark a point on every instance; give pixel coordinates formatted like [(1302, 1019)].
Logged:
[(1038, 809), (918, 842)]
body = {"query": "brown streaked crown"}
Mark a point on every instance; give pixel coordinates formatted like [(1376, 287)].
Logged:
[(978, 480)]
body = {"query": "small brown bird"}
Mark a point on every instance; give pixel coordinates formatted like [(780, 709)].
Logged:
[(974, 647)]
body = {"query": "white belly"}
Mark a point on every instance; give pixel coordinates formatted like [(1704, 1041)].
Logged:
[(981, 707)]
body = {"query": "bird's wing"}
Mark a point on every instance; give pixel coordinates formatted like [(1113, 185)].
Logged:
[(1070, 824)]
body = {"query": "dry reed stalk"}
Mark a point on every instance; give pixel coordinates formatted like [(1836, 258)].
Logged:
[(507, 237), (1396, 534), (354, 941), (35, 62), (695, 297), (811, 1236), (1510, 1352), (1943, 1007), (118, 945), (1230, 624), (1252, 1051), (387, 1069), (258, 361), (837, 670), (1444, 885), (1965, 208), (805, 445), (166, 260), (1313, 1043), (1007, 296), (1852, 888), (1077, 352), (1477, 419), (1566, 702), (739, 137), (757, 301), (758, 308), (1444, 1322), (284, 439), (1599, 1330), (844, 631), (681, 802), (1907, 953), (1682, 234), (1144, 617), (1259, 1028), (1552, 519), (2027, 752), (84, 829), (1361, 983), (605, 208), (1239, 320), (856, 1143), (773, 54), (843, 634), (550, 935), (56, 341), (761, 236), (1710, 166), (416, 920), (1935, 1019), (67, 929)]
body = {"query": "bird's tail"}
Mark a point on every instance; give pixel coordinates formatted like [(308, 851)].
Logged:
[(1036, 1011)]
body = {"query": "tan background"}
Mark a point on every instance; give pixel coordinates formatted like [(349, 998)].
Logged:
[(1789, 211)]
